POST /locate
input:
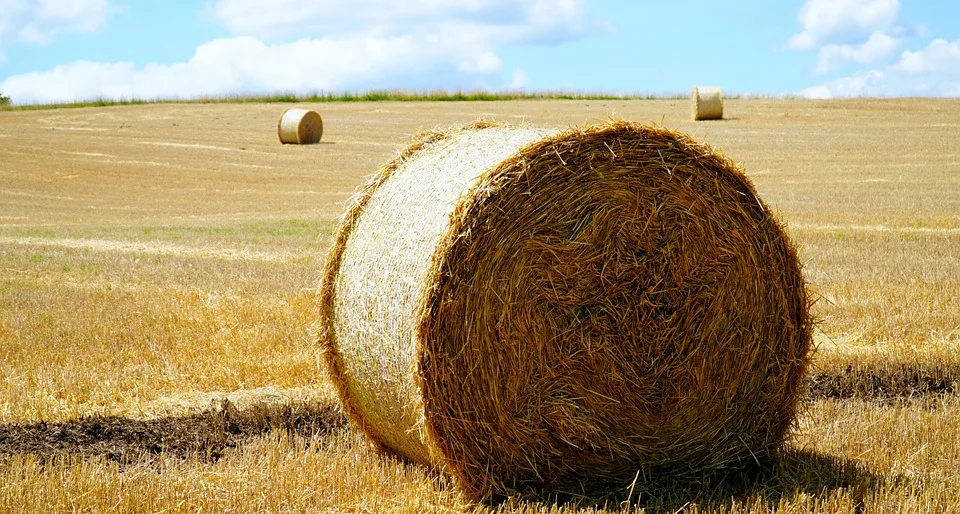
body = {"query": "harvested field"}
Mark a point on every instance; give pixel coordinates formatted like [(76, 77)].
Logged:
[(149, 267)]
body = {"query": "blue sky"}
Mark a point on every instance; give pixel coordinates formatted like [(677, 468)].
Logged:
[(65, 50)]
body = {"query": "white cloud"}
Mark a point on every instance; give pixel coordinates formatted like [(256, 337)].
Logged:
[(843, 21), (519, 79), (847, 32), (932, 71), (40, 21), (479, 63), (878, 47), (343, 45), (939, 56), (870, 35), (528, 21), (869, 83), (223, 66), (920, 30)]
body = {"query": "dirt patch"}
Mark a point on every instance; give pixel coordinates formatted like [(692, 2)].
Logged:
[(894, 381), (206, 435)]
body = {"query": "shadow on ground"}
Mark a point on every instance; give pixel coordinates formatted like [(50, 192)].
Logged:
[(792, 474), (206, 435)]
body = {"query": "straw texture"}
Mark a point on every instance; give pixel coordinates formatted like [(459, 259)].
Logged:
[(707, 103), (300, 127), (531, 310)]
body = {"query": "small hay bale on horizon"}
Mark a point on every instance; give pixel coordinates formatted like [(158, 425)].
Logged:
[(706, 103), (300, 127), (532, 310)]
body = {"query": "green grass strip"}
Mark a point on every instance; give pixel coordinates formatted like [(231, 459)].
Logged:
[(377, 95)]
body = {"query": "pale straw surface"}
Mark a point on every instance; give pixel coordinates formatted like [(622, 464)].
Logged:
[(537, 311), (384, 269)]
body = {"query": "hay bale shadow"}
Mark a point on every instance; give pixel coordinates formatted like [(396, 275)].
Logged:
[(206, 435), (794, 472)]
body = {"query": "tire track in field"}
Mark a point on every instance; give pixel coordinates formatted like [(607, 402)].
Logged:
[(874, 228), (151, 248)]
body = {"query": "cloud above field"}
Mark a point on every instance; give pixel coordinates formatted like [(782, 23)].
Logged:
[(843, 21), (40, 21), (329, 45), (870, 41), (246, 64), (931, 71), (510, 21), (878, 47), (849, 32)]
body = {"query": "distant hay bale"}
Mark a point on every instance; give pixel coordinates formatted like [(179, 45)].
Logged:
[(300, 127), (707, 103), (534, 310)]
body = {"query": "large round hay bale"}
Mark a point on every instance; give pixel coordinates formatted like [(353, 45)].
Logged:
[(534, 310), (300, 127), (707, 103)]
